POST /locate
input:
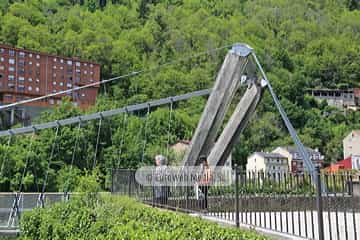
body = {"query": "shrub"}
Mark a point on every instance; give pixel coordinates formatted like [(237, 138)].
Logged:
[(120, 218)]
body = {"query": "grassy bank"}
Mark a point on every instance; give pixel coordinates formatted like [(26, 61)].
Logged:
[(111, 217)]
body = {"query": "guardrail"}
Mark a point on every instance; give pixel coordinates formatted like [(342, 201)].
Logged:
[(278, 201)]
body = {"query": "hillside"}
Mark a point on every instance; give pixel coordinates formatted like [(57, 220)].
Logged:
[(302, 44)]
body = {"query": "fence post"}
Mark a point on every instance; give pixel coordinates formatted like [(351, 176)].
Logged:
[(319, 205), (237, 217), (129, 182)]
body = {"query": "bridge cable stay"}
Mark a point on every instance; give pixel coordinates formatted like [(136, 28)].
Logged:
[(171, 108), (67, 182), (122, 140), (41, 198), (108, 113), (15, 211), (6, 154), (145, 134), (127, 75), (97, 142)]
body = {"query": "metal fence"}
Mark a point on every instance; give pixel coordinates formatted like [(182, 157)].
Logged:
[(26, 202), (283, 202)]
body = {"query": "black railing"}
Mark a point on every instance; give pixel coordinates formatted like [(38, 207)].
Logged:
[(284, 202)]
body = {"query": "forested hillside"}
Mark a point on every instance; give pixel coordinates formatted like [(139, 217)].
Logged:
[(301, 44)]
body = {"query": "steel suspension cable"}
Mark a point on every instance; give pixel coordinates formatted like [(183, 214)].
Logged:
[(145, 134), (6, 154), (97, 142), (122, 141), (26, 161), (15, 208), (131, 74), (66, 185), (169, 129), (41, 196)]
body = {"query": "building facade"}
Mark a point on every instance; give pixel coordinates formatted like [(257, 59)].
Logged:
[(267, 162), (26, 74), (271, 164), (343, 99), (295, 161), (351, 144)]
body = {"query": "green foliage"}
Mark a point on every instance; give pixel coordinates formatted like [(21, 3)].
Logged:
[(302, 44), (120, 218)]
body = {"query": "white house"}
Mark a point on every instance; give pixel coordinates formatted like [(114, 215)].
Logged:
[(272, 163), (351, 144)]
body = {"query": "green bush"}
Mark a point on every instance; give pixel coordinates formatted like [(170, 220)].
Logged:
[(120, 218)]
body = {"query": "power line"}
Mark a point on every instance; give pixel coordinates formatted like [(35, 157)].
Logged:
[(134, 73)]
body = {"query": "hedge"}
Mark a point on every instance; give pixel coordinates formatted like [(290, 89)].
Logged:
[(113, 217)]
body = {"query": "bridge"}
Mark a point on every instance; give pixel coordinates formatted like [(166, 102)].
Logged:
[(240, 69)]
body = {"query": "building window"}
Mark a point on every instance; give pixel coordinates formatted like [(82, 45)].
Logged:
[(8, 97), (11, 69), (30, 79), (11, 61), (38, 64), (61, 67), (11, 85), (37, 80), (30, 63), (54, 75), (54, 91), (61, 84), (51, 101), (37, 89), (54, 67), (11, 77), (30, 55), (91, 65), (69, 62), (55, 59), (83, 94), (21, 54), (2, 59), (38, 56), (69, 85), (30, 88), (54, 83), (12, 53), (21, 88), (2, 67), (21, 78), (2, 50), (62, 60), (85, 72), (77, 64)]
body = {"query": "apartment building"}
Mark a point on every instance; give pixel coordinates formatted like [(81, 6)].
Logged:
[(26, 74)]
